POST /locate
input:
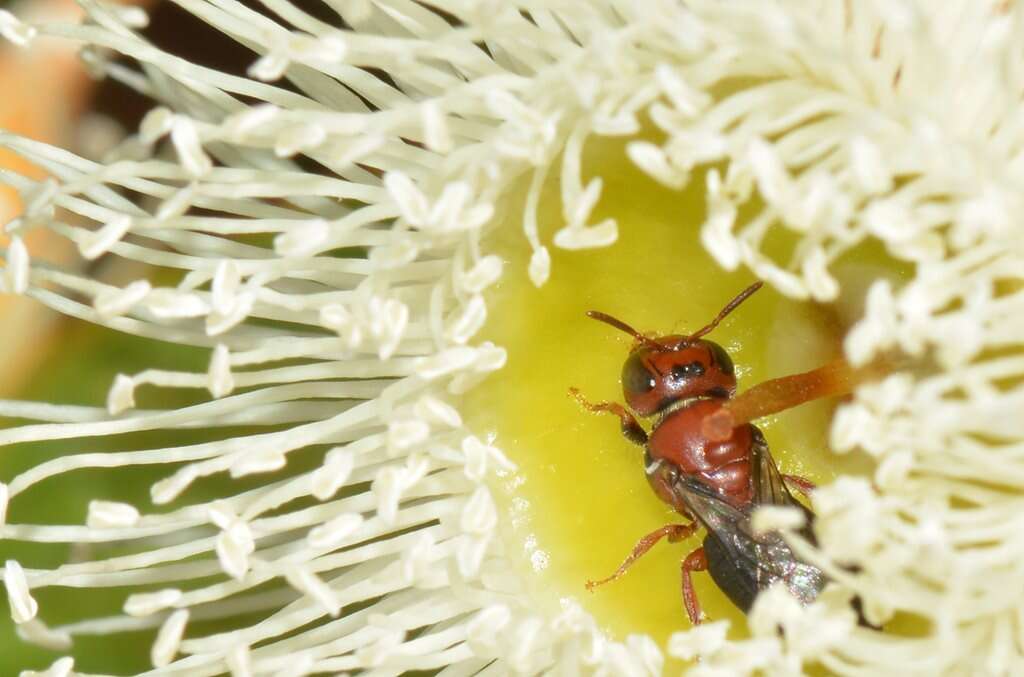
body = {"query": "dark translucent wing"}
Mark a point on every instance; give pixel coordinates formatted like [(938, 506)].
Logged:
[(727, 523), (744, 561), (769, 487)]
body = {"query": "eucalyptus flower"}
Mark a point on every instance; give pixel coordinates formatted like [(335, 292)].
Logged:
[(320, 230)]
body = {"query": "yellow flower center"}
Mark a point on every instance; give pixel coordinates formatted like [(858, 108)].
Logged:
[(580, 500)]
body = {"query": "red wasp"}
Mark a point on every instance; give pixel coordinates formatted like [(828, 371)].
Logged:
[(705, 459)]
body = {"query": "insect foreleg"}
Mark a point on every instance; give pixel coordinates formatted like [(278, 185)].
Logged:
[(675, 532), (630, 427)]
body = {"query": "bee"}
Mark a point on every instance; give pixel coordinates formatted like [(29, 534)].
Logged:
[(706, 460)]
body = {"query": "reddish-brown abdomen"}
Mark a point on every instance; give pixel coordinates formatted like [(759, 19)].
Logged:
[(724, 465)]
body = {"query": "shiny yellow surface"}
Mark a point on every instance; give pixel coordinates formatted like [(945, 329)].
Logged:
[(580, 501)]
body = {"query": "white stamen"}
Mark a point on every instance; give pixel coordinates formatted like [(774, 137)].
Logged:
[(603, 234), (37, 633), (480, 456), (269, 67), (333, 474), (309, 583), (186, 142), (304, 240), (446, 362), (16, 273), (111, 515), (469, 322), (225, 285), (240, 125), (299, 138), (121, 396), (177, 204), (653, 160), (14, 30), (776, 518), (235, 542), (23, 607), (403, 435), (870, 170), (166, 490), (480, 516), (434, 410), (218, 322), (435, 129), (60, 668), (261, 461), (99, 242), (115, 302), (239, 661), (485, 273), (335, 532), (219, 380), (704, 639), (172, 304), (149, 603), (156, 124), (540, 266), (168, 638), (412, 203)]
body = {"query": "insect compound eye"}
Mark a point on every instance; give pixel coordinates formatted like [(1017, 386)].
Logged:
[(722, 358), (681, 372), (635, 376)]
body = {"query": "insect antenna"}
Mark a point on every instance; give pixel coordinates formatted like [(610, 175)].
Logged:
[(622, 326), (729, 307)]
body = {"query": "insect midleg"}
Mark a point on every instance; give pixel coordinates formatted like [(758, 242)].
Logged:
[(695, 561), (803, 485), (630, 427), (675, 532)]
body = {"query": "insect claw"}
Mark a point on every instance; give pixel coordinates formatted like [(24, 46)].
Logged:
[(587, 404), (632, 430), (590, 585)]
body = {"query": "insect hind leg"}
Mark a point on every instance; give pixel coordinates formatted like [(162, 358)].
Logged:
[(631, 429), (695, 561), (674, 532)]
